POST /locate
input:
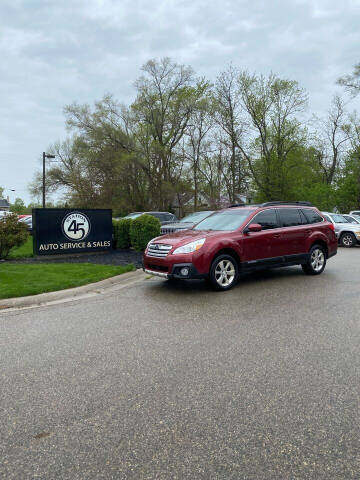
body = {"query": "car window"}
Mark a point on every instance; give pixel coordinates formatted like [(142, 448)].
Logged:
[(160, 216), (304, 220), (225, 220), (339, 218), (289, 217), (312, 215), (267, 219), (327, 218), (351, 219)]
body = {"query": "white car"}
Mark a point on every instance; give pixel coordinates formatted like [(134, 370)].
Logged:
[(348, 234)]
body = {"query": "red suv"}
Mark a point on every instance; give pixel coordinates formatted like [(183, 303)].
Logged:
[(243, 239)]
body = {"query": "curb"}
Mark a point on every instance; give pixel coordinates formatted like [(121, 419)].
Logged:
[(71, 293)]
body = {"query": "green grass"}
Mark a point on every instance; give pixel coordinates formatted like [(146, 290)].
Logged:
[(24, 251), (17, 280)]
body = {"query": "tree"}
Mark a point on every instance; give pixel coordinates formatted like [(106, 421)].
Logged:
[(197, 144), (18, 206), (167, 94), (351, 82), (228, 117), (348, 185), (1, 192), (332, 136), (273, 132)]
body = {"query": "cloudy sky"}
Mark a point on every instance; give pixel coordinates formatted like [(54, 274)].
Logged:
[(55, 52)]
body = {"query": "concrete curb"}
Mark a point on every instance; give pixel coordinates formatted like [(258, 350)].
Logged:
[(72, 293)]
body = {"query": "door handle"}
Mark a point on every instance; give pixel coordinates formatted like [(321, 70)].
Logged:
[(276, 235), (308, 232)]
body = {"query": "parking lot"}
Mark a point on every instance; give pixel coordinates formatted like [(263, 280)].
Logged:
[(166, 381)]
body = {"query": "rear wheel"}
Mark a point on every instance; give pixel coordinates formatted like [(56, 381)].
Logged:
[(347, 240), (317, 261), (224, 272)]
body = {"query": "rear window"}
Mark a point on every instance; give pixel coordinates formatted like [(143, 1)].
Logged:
[(289, 217), (312, 215), (226, 220)]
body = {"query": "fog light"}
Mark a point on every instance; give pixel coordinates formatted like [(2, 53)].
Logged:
[(184, 271)]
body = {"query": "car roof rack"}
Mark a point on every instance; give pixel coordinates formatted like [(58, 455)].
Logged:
[(237, 205), (272, 204)]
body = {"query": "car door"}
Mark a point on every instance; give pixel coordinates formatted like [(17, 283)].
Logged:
[(294, 232), (262, 247)]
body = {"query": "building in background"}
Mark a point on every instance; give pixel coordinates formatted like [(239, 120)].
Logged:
[(4, 205)]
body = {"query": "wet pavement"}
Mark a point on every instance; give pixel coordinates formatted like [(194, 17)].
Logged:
[(173, 381)]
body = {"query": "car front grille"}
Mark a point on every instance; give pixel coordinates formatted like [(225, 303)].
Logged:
[(158, 250), (167, 230)]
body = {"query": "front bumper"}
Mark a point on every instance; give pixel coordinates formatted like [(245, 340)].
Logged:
[(176, 272)]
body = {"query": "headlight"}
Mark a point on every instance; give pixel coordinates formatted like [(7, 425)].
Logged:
[(357, 234), (190, 247)]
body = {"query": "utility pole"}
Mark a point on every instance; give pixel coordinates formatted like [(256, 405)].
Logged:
[(45, 155)]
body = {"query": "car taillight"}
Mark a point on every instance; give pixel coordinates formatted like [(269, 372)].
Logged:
[(331, 226)]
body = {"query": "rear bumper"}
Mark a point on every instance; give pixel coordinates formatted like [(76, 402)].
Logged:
[(177, 272)]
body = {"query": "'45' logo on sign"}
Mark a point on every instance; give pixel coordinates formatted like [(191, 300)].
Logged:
[(76, 226)]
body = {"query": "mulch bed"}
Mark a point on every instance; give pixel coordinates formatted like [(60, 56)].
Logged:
[(115, 257)]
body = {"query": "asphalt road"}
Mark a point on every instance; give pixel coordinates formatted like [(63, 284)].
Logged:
[(163, 381)]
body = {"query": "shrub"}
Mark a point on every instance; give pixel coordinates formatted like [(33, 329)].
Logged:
[(12, 234), (121, 229), (142, 230)]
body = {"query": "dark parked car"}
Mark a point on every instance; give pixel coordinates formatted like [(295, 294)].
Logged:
[(187, 222), (242, 239), (164, 217)]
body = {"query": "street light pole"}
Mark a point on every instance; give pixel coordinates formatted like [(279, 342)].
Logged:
[(45, 155)]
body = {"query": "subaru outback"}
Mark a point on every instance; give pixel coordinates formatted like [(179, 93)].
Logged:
[(242, 239)]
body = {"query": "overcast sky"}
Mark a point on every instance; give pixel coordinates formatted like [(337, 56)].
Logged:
[(55, 52)]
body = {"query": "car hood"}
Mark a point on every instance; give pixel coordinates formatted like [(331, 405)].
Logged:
[(185, 236), (354, 227)]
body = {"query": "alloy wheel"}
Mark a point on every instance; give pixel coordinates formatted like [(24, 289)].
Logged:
[(347, 240), (317, 260), (225, 273)]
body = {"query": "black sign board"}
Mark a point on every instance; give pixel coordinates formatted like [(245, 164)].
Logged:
[(61, 230)]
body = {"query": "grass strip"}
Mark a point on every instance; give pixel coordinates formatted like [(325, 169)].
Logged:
[(19, 280)]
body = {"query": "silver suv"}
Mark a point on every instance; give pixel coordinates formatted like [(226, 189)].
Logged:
[(348, 234)]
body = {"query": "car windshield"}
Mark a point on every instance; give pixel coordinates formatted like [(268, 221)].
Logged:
[(339, 218), (226, 220), (134, 215), (196, 217)]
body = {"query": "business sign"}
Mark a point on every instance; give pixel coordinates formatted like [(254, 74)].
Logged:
[(60, 230)]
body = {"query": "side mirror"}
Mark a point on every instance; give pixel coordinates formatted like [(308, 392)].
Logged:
[(254, 227)]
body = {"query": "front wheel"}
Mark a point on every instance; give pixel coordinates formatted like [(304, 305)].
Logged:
[(347, 240), (224, 272), (317, 261)]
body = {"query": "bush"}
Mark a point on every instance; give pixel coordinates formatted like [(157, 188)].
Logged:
[(142, 230), (12, 234), (121, 229)]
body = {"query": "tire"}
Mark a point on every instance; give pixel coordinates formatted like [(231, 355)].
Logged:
[(317, 261), (347, 240), (223, 273)]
